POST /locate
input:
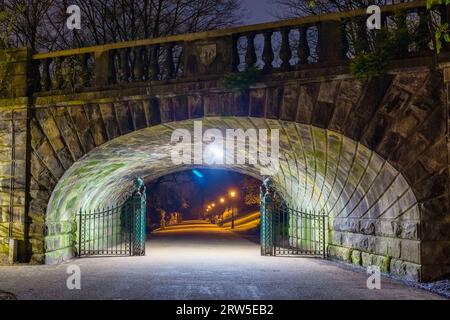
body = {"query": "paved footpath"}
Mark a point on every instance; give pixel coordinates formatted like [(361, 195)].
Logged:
[(200, 261)]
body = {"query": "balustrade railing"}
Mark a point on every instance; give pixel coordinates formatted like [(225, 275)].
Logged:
[(279, 46)]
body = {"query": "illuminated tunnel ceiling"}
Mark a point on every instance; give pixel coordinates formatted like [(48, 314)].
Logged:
[(320, 170)]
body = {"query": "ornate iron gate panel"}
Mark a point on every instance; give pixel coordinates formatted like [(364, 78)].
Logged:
[(117, 231), (290, 232), (298, 232)]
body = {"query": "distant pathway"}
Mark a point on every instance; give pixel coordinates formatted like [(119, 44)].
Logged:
[(197, 260)]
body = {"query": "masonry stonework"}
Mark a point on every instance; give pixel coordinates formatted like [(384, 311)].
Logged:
[(14, 135), (372, 153)]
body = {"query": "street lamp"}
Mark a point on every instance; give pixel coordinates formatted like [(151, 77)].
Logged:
[(208, 209), (233, 196), (222, 202)]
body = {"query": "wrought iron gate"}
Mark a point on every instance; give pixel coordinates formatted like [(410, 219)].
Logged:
[(117, 231), (289, 232)]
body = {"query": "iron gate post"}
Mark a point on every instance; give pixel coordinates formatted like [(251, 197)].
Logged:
[(79, 233), (139, 214), (267, 214), (132, 213), (263, 223), (324, 239)]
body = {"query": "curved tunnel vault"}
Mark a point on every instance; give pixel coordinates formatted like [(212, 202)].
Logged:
[(374, 215)]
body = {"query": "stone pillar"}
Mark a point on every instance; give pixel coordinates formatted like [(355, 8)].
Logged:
[(331, 46), (102, 65), (14, 159), (13, 251), (211, 57), (435, 223), (14, 69)]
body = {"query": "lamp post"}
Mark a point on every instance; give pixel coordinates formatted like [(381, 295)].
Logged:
[(213, 206), (233, 197), (222, 202), (208, 209)]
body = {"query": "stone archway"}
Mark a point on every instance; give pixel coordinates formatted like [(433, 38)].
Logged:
[(401, 117), (374, 212)]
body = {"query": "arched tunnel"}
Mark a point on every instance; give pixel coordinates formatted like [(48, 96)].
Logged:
[(85, 132), (373, 213)]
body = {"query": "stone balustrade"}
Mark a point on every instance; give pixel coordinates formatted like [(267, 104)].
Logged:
[(305, 42)]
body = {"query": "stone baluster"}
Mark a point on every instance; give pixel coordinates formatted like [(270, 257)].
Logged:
[(59, 73), (250, 56), (124, 65), (46, 78), (145, 63), (85, 76), (112, 71), (303, 49), (362, 43), (403, 42), (380, 37), (384, 17), (345, 46), (268, 55), (69, 75), (445, 17), (319, 43), (36, 72), (154, 63), (138, 65), (285, 50), (104, 68), (423, 34), (235, 59), (169, 63)]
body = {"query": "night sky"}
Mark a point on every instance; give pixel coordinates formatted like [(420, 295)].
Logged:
[(258, 11)]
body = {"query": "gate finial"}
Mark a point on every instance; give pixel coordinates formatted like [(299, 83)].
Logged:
[(139, 184), (269, 186)]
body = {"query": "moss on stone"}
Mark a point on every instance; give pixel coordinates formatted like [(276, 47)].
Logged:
[(356, 257), (4, 248), (340, 253)]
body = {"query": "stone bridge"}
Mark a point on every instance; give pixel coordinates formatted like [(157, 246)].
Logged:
[(77, 126)]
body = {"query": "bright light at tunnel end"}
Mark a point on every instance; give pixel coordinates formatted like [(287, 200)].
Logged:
[(227, 147), (214, 153)]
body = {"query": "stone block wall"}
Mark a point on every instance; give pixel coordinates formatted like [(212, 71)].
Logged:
[(13, 155), (15, 68), (371, 153)]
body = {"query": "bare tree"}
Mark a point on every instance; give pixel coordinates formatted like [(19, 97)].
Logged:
[(28, 22), (41, 23), (299, 8)]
